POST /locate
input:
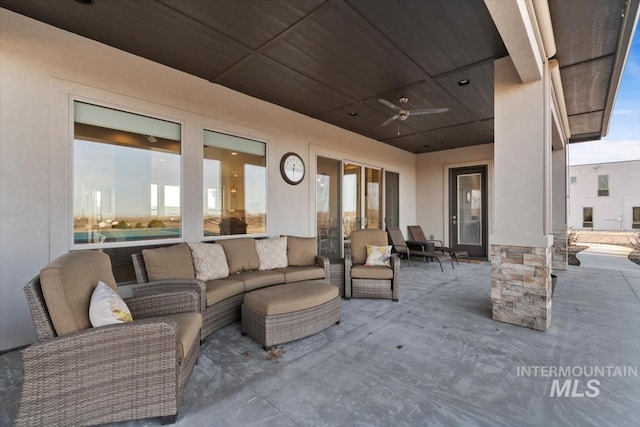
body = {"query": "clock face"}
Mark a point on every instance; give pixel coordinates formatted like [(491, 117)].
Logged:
[(292, 168)]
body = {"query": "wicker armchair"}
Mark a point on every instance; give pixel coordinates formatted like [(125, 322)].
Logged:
[(362, 281), (79, 375)]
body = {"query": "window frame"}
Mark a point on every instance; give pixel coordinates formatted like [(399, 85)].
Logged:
[(72, 245), (604, 191), (237, 132), (59, 213)]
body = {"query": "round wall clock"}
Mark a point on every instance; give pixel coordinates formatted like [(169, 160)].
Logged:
[(292, 168)]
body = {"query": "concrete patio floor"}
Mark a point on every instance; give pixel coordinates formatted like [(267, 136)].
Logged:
[(434, 358)]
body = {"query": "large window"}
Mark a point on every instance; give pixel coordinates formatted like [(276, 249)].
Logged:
[(603, 185), (587, 217), (635, 215), (126, 176), (235, 185)]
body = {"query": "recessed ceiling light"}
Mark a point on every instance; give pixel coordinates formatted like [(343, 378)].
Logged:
[(463, 82), (353, 113), (233, 153)]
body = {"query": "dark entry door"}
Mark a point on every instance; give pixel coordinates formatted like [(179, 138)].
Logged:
[(468, 210)]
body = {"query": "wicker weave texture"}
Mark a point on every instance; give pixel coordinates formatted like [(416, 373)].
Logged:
[(139, 268), (365, 288), (221, 314), (38, 308), (101, 375), (215, 316), (281, 328), (163, 304), (107, 374), (186, 367)]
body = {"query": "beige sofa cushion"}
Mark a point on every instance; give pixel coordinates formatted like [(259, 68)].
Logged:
[(299, 274), (173, 262), (259, 279), (371, 272), (221, 289), (67, 285), (241, 254), (290, 297), (361, 238), (302, 250), (189, 325)]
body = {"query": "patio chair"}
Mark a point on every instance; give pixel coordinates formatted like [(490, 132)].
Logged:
[(417, 236), (76, 374), (425, 250), (370, 281)]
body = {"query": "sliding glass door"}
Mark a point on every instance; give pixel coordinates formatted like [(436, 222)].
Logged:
[(328, 207), (350, 197)]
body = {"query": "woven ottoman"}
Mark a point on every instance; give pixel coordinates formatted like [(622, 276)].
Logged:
[(288, 312)]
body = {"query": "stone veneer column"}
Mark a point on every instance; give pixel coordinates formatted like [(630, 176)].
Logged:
[(521, 285), (560, 256), (521, 239)]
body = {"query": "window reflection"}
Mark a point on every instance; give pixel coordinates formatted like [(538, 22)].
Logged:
[(235, 185), (126, 176)]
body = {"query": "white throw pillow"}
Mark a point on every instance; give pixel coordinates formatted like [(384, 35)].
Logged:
[(107, 307), (272, 253), (378, 255), (209, 261)]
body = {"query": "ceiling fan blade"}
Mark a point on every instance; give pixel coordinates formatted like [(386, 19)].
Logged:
[(390, 105), (428, 111), (391, 119)]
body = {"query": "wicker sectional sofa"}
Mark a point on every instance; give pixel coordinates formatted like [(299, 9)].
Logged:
[(172, 268)]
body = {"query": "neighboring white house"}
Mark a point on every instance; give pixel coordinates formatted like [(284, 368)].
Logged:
[(605, 196)]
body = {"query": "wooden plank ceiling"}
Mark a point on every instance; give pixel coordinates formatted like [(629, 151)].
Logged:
[(332, 60)]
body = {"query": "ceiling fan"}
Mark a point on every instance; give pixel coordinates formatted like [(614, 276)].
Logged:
[(403, 114)]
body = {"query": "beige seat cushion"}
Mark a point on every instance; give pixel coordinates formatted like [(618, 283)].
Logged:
[(241, 254), (173, 262), (67, 285), (290, 297), (299, 274), (189, 325), (259, 279), (301, 250), (371, 272), (221, 289), (361, 238)]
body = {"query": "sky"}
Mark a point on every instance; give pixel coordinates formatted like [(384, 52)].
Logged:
[(623, 139)]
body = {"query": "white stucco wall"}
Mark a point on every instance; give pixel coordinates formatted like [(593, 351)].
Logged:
[(41, 67), (432, 174), (522, 150), (613, 212)]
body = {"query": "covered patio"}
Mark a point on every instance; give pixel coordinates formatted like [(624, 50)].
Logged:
[(434, 358), (494, 91)]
